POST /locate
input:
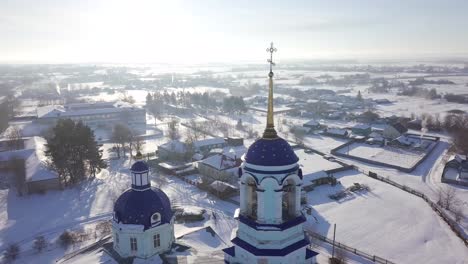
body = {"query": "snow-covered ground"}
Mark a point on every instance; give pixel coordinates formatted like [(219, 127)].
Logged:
[(323, 143), (405, 158), (385, 221), (314, 165)]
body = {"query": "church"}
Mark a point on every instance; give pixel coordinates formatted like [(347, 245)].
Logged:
[(270, 219), (143, 222)]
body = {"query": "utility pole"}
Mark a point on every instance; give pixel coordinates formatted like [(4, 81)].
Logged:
[(334, 233)]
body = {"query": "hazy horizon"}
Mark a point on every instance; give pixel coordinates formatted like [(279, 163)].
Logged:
[(145, 31)]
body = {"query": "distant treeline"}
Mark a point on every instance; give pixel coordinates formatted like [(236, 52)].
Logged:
[(161, 102)]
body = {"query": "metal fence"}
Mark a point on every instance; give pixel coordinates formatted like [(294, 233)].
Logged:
[(355, 251)]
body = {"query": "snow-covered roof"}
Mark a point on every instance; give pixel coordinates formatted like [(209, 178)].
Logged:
[(375, 135), (313, 165), (208, 141), (235, 152), (312, 123), (220, 162), (52, 111), (221, 186), (337, 131), (174, 146), (35, 160), (361, 126), (197, 156)]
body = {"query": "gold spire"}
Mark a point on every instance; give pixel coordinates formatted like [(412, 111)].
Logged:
[(270, 131)]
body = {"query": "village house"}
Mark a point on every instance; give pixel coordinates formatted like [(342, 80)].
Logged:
[(312, 124), (394, 131), (336, 132), (361, 129), (28, 164), (460, 164), (221, 166), (95, 115), (177, 150)]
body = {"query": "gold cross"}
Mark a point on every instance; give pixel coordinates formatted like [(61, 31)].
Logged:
[(271, 49)]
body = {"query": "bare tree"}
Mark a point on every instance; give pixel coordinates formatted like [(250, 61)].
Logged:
[(12, 252), (458, 213), (18, 166), (104, 227), (196, 133), (299, 135), (14, 137), (447, 198), (39, 243), (127, 98), (173, 129), (121, 136)]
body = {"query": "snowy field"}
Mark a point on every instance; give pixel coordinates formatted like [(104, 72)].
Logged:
[(314, 165), (405, 158), (323, 143), (385, 221), (406, 105)]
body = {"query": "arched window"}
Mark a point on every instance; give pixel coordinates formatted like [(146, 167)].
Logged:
[(289, 200), (251, 199), (155, 219)]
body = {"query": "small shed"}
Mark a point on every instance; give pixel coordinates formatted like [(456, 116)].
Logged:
[(312, 124), (361, 129), (223, 189)]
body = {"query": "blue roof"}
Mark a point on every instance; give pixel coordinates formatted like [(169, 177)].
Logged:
[(137, 207), (230, 251), (283, 226), (271, 252), (310, 253), (271, 152), (139, 167)]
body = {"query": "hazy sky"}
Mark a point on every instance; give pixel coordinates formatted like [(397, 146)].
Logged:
[(221, 31)]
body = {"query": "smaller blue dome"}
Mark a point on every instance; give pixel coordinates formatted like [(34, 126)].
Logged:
[(137, 207), (271, 152), (139, 167)]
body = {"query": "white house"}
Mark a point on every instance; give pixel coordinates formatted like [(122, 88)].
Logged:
[(38, 176), (95, 115)]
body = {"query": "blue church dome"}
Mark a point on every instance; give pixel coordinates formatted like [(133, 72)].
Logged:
[(137, 207), (271, 152), (139, 167)]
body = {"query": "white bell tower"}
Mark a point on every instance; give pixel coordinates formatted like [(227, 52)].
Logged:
[(270, 217)]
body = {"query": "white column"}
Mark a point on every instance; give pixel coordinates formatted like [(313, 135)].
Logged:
[(277, 208), (261, 214), (242, 196), (298, 200)]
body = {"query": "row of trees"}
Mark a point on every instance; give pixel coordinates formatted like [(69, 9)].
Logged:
[(73, 151), (420, 92), (7, 108), (234, 104), (157, 103), (124, 138)]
